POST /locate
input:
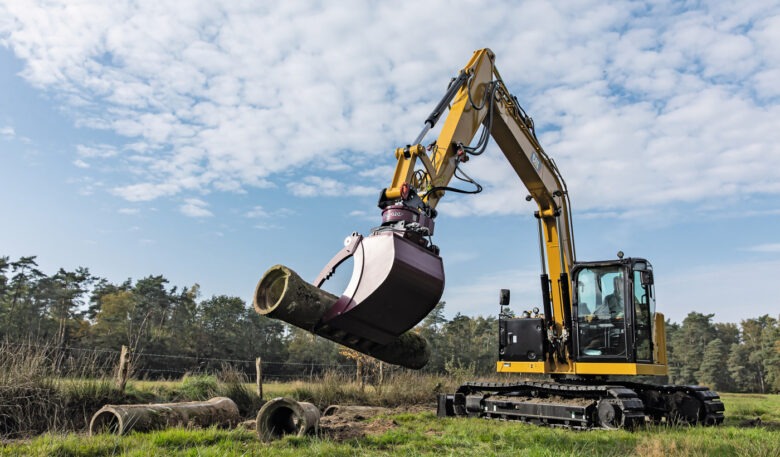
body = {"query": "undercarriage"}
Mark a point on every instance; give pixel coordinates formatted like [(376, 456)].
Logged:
[(585, 406)]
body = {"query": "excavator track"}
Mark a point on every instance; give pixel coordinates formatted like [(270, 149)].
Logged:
[(679, 405), (546, 403), (584, 406)]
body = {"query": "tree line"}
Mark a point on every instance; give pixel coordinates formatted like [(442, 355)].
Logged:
[(172, 330), (725, 356)]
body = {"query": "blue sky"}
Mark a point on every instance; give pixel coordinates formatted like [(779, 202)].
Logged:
[(208, 142)]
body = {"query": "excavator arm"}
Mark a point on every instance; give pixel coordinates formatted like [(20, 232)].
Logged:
[(398, 276)]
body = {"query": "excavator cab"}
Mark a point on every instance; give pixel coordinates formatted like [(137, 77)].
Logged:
[(613, 315), (614, 309)]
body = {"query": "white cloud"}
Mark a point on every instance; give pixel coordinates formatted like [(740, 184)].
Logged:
[(373, 216), (194, 207), (382, 173), (80, 163), (146, 191), (315, 186), (7, 132), (641, 105), (267, 226), (101, 151), (257, 212), (86, 185), (128, 211), (772, 248)]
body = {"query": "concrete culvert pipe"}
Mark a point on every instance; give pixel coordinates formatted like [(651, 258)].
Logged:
[(285, 416), (120, 419)]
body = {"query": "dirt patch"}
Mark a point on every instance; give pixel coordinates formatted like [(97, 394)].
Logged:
[(340, 428), (349, 424), (355, 422)]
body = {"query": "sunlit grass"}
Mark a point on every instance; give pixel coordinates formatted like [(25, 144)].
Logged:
[(426, 435)]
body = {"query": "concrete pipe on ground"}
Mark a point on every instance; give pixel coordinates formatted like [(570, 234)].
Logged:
[(282, 294), (120, 419), (285, 416)]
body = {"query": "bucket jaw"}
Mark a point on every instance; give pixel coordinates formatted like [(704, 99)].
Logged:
[(395, 283)]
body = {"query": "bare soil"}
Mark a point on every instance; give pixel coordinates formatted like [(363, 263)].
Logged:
[(344, 428)]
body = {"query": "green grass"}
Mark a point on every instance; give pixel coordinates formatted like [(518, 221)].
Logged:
[(424, 434), (401, 389), (171, 389), (742, 407), (414, 434)]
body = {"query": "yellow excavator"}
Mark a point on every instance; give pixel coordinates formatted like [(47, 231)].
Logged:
[(598, 325)]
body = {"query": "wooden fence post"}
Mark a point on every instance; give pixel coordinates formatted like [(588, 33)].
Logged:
[(360, 372), (123, 370), (259, 370)]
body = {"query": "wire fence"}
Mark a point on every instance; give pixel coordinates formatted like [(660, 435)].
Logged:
[(152, 366)]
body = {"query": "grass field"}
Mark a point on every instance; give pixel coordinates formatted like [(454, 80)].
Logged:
[(421, 433)]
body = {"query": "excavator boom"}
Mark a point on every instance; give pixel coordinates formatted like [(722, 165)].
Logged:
[(398, 275), (398, 279)]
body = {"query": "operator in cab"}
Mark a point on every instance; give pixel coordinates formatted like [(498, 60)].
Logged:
[(612, 307)]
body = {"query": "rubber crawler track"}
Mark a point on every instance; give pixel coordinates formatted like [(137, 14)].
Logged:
[(583, 405)]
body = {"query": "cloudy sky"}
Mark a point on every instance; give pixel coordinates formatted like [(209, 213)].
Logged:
[(207, 142)]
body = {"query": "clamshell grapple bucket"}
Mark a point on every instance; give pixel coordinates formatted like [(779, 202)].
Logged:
[(395, 283)]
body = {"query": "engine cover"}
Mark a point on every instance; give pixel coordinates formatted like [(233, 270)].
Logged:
[(521, 340)]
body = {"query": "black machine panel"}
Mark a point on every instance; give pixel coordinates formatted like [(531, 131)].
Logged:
[(521, 339)]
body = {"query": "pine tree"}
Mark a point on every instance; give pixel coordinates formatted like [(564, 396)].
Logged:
[(711, 372), (740, 369), (690, 342)]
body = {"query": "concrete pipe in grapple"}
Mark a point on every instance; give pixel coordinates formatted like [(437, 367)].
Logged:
[(120, 419), (285, 416), (282, 294)]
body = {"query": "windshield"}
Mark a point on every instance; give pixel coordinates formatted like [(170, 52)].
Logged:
[(600, 292), (601, 311)]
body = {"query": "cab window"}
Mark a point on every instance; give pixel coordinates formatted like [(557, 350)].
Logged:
[(601, 312), (644, 317)]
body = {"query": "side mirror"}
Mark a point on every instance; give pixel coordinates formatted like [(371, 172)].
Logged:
[(503, 297), (647, 278)]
